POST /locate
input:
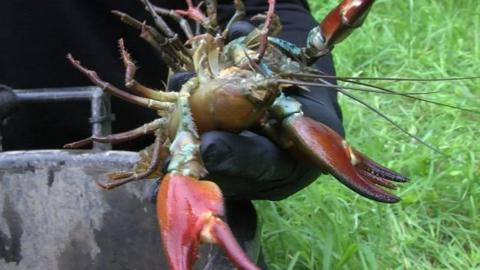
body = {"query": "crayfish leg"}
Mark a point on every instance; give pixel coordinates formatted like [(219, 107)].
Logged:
[(143, 130), (263, 39), (107, 87), (137, 87)]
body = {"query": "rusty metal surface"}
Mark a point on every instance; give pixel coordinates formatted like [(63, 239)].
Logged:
[(53, 216)]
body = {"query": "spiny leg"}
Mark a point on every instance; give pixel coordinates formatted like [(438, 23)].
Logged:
[(275, 26), (263, 39), (159, 22), (173, 58), (171, 36), (155, 165), (144, 102), (160, 149), (184, 25), (131, 83), (120, 137)]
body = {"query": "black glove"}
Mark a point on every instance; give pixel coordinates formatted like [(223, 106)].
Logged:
[(250, 166)]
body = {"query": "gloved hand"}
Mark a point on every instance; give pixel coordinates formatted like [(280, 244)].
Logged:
[(250, 166)]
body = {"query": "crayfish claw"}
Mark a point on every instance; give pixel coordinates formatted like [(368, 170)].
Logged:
[(373, 168), (377, 179), (189, 213), (326, 149), (223, 236)]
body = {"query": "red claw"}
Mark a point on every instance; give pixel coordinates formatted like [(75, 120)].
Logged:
[(189, 212), (325, 148), (347, 16)]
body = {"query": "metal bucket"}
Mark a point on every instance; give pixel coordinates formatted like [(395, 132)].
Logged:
[(54, 216)]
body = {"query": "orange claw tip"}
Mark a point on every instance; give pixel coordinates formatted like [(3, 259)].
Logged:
[(224, 238), (325, 148), (189, 212)]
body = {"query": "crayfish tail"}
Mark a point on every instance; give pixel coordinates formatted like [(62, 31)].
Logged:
[(328, 150)]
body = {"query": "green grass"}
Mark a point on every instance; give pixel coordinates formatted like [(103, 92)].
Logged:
[(437, 223)]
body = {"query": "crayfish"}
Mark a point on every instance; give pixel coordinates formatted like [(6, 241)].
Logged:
[(238, 85)]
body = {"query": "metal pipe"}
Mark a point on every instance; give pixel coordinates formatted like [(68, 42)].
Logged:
[(101, 116), (54, 94)]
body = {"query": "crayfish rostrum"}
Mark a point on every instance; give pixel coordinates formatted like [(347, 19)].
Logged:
[(238, 85)]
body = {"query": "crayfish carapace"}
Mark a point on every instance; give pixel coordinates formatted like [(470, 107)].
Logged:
[(238, 85)]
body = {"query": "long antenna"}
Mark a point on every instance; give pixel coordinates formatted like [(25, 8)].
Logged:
[(391, 121)]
